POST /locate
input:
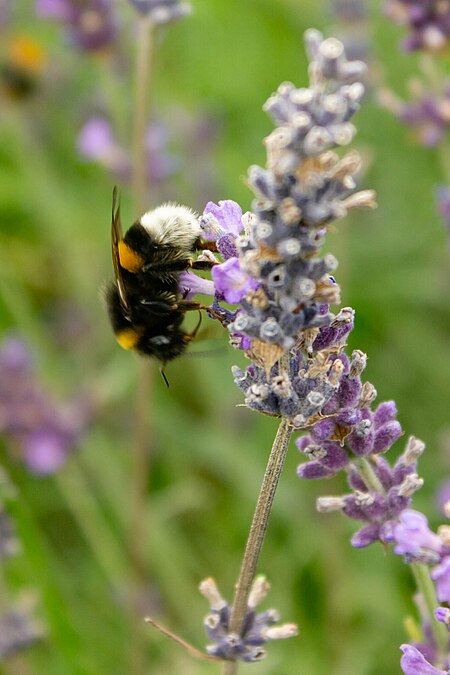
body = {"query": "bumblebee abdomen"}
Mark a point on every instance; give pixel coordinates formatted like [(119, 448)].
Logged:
[(150, 327)]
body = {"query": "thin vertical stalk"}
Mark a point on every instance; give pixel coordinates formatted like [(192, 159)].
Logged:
[(141, 455), (426, 588), (144, 57), (257, 531)]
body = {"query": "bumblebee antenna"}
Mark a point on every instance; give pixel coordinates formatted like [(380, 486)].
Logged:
[(164, 377)]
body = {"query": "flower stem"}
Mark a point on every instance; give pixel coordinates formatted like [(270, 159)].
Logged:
[(426, 588), (257, 531), (141, 456), (144, 46), (368, 475)]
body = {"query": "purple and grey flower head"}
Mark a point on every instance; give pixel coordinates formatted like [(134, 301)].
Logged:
[(259, 627), (427, 20), (162, 11), (273, 270), (90, 24)]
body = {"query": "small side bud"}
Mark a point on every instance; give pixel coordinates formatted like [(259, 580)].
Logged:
[(258, 592), (329, 504), (208, 588)]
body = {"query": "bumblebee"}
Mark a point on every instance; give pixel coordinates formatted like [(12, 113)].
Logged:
[(145, 304)]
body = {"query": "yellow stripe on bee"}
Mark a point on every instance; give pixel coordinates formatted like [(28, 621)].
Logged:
[(127, 338), (128, 258)]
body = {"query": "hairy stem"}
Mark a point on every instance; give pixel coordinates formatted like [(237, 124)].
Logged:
[(368, 475), (426, 588), (141, 456), (257, 531)]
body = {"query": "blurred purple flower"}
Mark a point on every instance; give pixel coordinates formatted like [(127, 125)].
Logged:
[(5, 12), (428, 114), (414, 663), (97, 143), (44, 431), (427, 20), (90, 24)]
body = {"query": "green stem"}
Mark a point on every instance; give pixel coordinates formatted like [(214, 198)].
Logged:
[(368, 475), (257, 531), (141, 455), (426, 588), (142, 89)]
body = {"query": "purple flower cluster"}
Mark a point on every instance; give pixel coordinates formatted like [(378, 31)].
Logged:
[(274, 270), (259, 627), (42, 432), (90, 24), (427, 20)]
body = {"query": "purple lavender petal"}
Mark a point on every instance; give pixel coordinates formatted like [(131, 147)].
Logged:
[(322, 430), (195, 285), (336, 457), (231, 281), (443, 496), (412, 533), (414, 663), (365, 536), (386, 412), (313, 470), (96, 142), (441, 575), (386, 436), (228, 214), (442, 614), (44, 451), (55, 9)]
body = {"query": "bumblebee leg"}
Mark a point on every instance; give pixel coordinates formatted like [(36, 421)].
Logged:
[(203, 264), (188, 306)]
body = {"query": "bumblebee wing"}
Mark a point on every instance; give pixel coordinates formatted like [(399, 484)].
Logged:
[(116, 236)]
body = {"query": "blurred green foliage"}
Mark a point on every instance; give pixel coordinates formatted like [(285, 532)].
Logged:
[(207, 454)]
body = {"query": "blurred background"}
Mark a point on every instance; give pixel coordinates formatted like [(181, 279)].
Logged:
[(68, 392)]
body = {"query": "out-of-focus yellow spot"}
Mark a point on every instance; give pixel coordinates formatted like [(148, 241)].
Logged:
[(27, 54), (127, 338), (129, 259)]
